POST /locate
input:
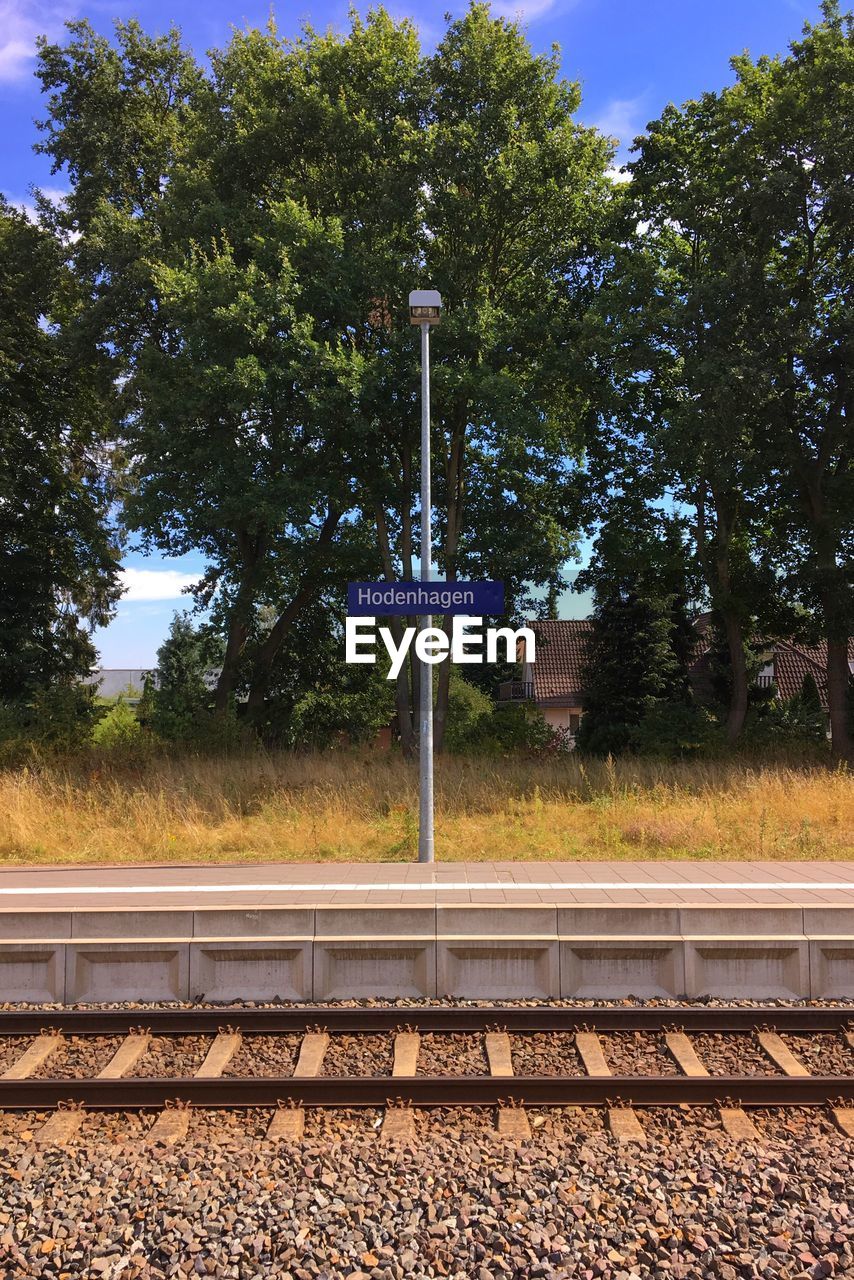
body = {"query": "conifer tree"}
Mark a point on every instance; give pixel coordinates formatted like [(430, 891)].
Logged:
[(642, 635), (631, 667)]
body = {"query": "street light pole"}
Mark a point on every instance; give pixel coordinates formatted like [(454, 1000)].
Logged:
[(425, 309), (426, 850)]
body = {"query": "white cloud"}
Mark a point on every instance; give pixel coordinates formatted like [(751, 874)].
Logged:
[(618, 175), (155, 584), (622, 119), (20, 22), (54, 194), (525, 10)]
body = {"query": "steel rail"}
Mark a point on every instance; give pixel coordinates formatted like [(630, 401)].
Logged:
[(426, 1091), (462, 1018)]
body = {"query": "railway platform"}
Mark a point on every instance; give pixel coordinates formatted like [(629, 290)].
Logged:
[(487, 930)]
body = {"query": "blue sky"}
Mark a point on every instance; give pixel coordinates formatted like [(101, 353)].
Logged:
[(631, 57)]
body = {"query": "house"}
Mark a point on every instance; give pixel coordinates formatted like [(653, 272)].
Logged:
[(554, 683), (785, 665)]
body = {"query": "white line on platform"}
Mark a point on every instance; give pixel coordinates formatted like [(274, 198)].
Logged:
[(455, 886)]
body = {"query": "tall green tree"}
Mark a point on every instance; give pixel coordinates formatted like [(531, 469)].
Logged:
[(178, 706), (58, 562), (692, 387), (262, 233), (796, 161), (248, 239), (515, 199), (631, 669), (731, 300), (230, 397), (643, 639)]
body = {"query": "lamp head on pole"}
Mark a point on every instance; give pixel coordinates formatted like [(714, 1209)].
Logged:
[(425, 306)]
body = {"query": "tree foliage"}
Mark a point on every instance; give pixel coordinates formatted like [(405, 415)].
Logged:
[(217, 314), (730, 295), (249, 237), (58, 556)]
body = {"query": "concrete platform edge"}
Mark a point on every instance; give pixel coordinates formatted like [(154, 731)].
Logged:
[(480, 952)]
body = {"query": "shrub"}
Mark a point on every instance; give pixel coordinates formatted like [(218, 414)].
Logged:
[(675, 730), (799, 720), (55, 721), (118, 728), (469, 716), (476, 726), (327, 717)]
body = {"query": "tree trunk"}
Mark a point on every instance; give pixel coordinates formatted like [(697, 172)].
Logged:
[(725, 518), (454, 479), (832, 594), (403, 710), (237, 633), (405, 726), (832, 591), (266, 655), (252, 551), (838, 677), (307, 589), (737, 712)]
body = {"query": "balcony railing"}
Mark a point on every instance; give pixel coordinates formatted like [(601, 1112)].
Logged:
[(516, 691)]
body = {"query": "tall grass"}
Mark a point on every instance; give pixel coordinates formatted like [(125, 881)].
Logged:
[(361, 807)]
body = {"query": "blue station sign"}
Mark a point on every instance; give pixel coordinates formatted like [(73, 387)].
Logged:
[(414, 599)]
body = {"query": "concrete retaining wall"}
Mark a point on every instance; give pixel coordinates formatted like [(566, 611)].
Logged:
[(500, 952)]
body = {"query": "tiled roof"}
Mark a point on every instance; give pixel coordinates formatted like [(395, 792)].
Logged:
[(792, 663), (562, 654), (561, 657)]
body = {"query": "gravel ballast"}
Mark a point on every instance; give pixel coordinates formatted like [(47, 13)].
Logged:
[(545, 1054), (460, 1203), (822, 1053), (265, 1056), (733, 1055), (78, 1056), (366, 1055), (173, 1056), (452, 1055), (637, 1053)]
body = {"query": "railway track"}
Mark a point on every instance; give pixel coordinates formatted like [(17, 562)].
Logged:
[(595, 1044)]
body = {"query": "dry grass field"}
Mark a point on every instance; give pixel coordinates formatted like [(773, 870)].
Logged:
[(352, 807)]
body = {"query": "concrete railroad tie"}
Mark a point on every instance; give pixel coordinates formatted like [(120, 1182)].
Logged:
[(399, 1121), (172, 1124), (288, 1123), (61, 1127)]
